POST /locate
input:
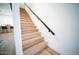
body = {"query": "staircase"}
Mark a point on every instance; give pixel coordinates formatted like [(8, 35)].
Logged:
[(32, 41)]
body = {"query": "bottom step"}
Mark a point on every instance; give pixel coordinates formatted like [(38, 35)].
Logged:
[(45, 52), (53, 52), (35, 49)]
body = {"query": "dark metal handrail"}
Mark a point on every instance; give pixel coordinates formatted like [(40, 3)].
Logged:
[(11, 6), (40, 20)]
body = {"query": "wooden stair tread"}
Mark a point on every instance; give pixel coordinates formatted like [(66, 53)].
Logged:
[(25, 18), (28, 27), (35, 49), (23, 15), (45, 52), (29, 30), (26, 22), (53, 52), (30, 35), (31, 42)]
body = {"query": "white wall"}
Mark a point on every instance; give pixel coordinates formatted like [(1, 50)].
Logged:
[(5, 14), (17, 28), (63, 20)]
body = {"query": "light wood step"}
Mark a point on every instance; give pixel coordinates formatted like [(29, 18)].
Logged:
[(22, 27), (35, 49), (27, 25), (24, 14), (30, 35), (53, 52), (24, 17), (30, 31), (45, 52), (23, 11), (28, 28), (26, 21), (31, 42)]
